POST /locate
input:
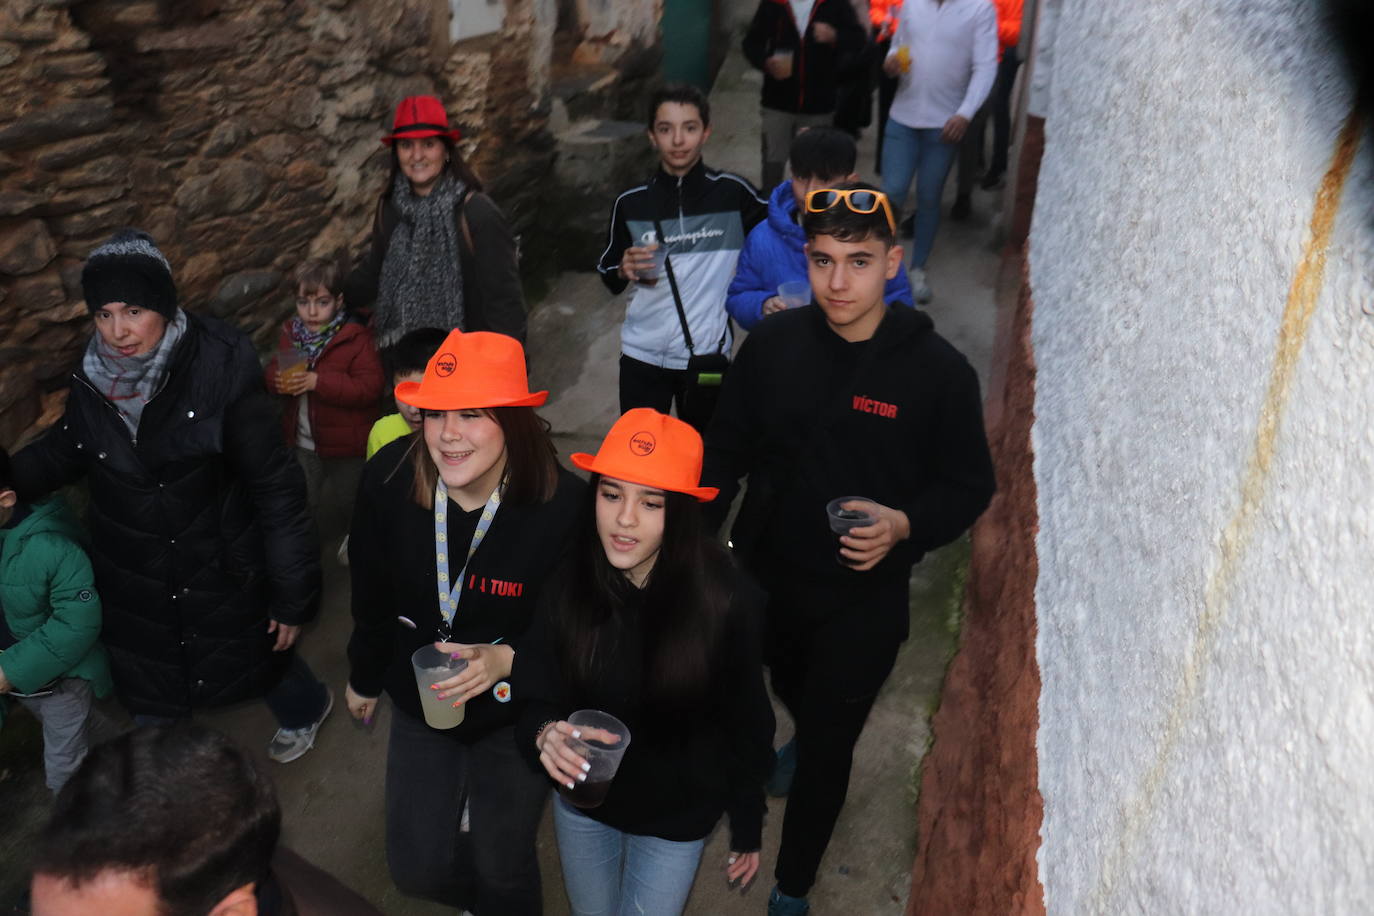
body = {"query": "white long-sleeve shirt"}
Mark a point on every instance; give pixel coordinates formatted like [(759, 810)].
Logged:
[(953, 48)]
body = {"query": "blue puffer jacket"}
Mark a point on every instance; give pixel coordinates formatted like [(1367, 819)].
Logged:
[(773, 255)]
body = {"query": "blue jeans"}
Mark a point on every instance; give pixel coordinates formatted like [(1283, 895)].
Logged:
[(917, 151), (610, 873)]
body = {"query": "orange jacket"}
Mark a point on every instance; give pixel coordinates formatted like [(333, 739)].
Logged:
[(1008, 23), (883, 15)]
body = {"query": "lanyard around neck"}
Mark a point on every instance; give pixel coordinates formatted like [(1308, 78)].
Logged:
[(451, 590)]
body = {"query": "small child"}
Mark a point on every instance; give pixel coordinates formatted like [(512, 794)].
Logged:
[(409, 358), (50, 660), (775, 252), (328, 372)]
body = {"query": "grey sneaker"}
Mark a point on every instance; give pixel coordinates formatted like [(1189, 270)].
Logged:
[(920, 289), (289, 743)]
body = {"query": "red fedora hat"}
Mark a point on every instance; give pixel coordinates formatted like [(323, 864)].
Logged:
[(420, 116)]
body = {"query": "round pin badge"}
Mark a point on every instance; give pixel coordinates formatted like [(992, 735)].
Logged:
[(501, 692)]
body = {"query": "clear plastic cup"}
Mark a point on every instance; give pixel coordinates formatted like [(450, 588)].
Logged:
[(291, 363), (660, 256), (431, 667), (795, 293), (842, 519), (604, 756)]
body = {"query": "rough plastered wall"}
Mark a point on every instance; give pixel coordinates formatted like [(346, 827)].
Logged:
[(1202, 264)]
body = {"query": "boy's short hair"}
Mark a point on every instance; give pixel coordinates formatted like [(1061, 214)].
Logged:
[(414, 350), (6, 472), (180, 804), (844, 225), (822, 152), (317, 272), (683, 94)]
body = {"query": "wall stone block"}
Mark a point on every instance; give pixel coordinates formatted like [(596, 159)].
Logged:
[(85, 65), (37, 292), (18, 203), (82, 198), (107, 170), (234, 187), (242, 289), (58, 122), (97, 220), (57, 156), (26, 248)]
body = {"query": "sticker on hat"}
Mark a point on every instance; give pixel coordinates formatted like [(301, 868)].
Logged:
[(653, 450), (643, 443), (472, 371)]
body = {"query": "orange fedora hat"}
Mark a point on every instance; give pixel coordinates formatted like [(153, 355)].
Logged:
[(652, 450), (471, 371)]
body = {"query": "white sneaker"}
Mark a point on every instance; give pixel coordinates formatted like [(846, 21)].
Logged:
[(290, 743), (920, 289)]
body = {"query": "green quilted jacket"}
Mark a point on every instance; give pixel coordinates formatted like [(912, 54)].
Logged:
[(47, 594)]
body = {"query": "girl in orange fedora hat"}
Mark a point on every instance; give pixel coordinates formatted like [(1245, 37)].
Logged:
[(649, 620), (442, 253), (455, 530)]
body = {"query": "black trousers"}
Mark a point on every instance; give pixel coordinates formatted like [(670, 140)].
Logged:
[(491, 869), (828, 659), (645, 385), (1001, 110)]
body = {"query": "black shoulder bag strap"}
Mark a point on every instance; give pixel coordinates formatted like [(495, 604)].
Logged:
[(677, 299), (672, 282)]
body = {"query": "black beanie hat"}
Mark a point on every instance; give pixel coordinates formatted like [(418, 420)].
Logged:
[(129, 268)]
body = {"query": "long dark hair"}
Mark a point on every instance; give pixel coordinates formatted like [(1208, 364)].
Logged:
[(457, 167), (531, 459), (685, 603)]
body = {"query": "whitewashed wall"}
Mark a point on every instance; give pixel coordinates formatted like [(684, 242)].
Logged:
[(1206, 542)]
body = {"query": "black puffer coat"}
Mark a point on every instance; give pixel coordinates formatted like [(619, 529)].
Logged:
[(200, 531)]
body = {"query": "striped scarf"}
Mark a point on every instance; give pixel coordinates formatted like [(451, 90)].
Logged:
[(129, 382)]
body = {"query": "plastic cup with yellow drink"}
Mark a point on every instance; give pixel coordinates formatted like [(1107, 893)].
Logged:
[(904, 58)]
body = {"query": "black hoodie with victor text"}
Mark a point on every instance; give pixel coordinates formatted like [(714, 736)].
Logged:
[(809, 417)]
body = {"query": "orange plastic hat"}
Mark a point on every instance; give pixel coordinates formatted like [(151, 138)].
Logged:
[(471, 371), (652, 450)]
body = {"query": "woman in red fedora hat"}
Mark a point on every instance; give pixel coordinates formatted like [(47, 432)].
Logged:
[(454, 532), (442, 254), (649, 620)]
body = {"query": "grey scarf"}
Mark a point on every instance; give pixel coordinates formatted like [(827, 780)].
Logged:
[(129, 382), (422, 277)]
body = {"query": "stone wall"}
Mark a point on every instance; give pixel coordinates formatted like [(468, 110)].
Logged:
[(243, 135)]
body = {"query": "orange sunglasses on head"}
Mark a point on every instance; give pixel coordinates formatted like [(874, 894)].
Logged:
[(856, 200)]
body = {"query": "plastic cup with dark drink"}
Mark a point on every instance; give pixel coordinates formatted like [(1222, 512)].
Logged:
[(431, 667), (603, 743), (842, 519)]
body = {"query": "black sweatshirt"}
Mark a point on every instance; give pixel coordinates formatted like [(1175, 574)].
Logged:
[(906, 431), (682, 769), (817, 68), (393, 568)]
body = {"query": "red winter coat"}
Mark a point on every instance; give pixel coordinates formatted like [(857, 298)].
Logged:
[(344, 404)]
